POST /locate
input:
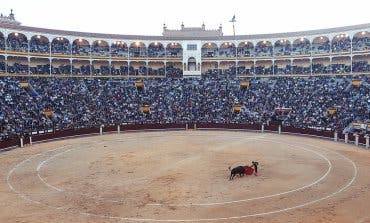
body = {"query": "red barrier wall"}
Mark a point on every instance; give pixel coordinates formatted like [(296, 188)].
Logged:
[(129, 127)]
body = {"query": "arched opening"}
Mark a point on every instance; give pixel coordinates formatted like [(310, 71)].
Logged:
[(119, 68), (174, 50), (282, 67), (39, 66), (341, 65), (282, 47), (61, 45), (174, 69), (17, 42), (227, 69), (245, 68), (301, 46), (210, 69), (341, 43), (39, 44), (192, 64), (227, 50), (81, 67), (137, 68), (156, 68), (321, 66), (2, 41), (138, 49), (209, 50), (156, 50), (264, 67), (81, 47), (17, 65), (245, 49), (60, 66), (100, 67), (361, 41), (301, 66), (321, 45), (361, 63), (100, 48), (2, 64), (264, 48), (119, 49)]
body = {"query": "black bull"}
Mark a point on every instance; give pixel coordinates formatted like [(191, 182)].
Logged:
[(237, 170)]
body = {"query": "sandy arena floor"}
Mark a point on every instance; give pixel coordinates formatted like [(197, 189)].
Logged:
[(182, 176)]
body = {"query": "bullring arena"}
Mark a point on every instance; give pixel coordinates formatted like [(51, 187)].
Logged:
[(99, 127), (182, 176)]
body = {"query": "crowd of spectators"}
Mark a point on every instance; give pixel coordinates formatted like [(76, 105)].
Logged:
[(60, 45), (82, 103), (282, 49), (302, 47), (321, 48), (99, 49), (341, 45), (360, 43), (2, 43), (174, 52), (246, 51), (318, 67), (39, 45), (17, 43), (81, 49), (263, 49)]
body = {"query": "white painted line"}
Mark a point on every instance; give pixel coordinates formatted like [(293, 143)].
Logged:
[(41, 165), (21, 163)]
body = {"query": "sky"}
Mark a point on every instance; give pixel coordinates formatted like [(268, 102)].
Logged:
[(146, 17)]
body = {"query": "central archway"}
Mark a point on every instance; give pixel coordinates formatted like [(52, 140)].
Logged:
[(192, 64)]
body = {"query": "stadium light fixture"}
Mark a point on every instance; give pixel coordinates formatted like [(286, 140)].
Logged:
[(16, 34)]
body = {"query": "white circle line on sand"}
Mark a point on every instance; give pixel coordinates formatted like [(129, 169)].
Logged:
[(41, 165), (199, 219), (21, 163)]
